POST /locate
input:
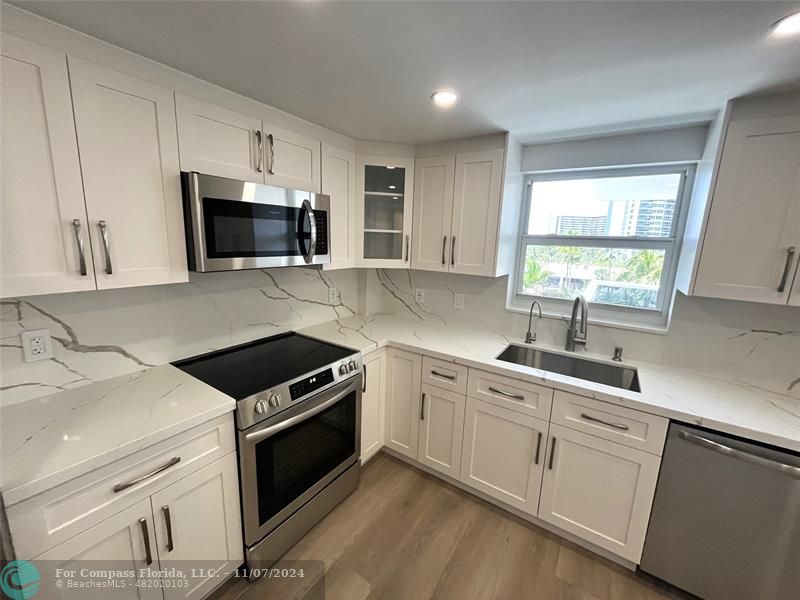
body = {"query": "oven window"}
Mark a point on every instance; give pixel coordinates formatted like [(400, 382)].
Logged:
[(245, 229), (292, 460)]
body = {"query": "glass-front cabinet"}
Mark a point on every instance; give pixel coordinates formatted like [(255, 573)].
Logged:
[(385, 203)]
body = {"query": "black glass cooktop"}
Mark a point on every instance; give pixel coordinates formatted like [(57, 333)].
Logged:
[(244, 370)]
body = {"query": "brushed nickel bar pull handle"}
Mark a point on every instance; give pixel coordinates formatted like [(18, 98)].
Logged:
[(740, 454), (104, 234), (538, 447), (453, 251), (271, 169), (422, 409), (76, 224), (621, 426), (148, 555), (408, 242), (552, 452), (443, 375), (364, 383), (260, 146), (168, 523), (786, 268), (506, 394), (444, 247), (170, 463)]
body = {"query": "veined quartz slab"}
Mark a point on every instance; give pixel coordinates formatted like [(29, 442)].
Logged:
[(55, 438), (708, 400)]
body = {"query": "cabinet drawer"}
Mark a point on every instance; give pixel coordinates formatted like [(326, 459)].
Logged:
[(521, 396), (50, 518), (622, 425), (444, 374)]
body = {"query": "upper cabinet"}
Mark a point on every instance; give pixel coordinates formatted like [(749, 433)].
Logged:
[(750, 245), (384, 212), (217, 141), (457, 201), (43, 221), (339, 182), (129, 161)]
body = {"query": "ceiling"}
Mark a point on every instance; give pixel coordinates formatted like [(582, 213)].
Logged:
[(543, 70)]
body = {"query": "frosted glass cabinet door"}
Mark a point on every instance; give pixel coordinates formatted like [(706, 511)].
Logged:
[(42, 213)]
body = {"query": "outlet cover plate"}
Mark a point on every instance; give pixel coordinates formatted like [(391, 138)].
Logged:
[(36, 345), (333, 295), (419, 296), (458, 301)]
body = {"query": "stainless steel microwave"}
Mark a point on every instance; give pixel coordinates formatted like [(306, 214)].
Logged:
[(233, 225)]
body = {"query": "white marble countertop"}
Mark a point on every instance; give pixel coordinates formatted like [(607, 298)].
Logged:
[(52, 439), (710, 401)]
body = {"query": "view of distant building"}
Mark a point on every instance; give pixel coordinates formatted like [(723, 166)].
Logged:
[(576, 225), (648, 218)]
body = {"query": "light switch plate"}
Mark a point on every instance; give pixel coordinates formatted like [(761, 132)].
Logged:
[(458, 301), (419, 296), (36, 345), (333, 295)]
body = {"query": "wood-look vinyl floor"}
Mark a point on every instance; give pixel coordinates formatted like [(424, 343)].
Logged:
[(404, 535)]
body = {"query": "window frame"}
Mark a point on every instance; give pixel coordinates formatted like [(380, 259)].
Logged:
[(640, 318)]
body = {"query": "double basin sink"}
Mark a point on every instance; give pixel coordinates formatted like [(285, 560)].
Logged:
[(625, 378)]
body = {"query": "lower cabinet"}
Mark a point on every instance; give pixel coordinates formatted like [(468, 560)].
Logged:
[(441, 426), (598, 490), (372, 405), (503, 454), (403, 375)]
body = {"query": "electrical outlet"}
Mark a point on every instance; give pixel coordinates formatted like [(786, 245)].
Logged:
[(419, 296), (333, 295), (36, 345), (458, 301)]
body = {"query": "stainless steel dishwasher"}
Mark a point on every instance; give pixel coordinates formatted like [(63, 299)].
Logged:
[(725, 523)]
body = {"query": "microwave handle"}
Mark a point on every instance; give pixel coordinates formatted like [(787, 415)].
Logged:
[(312, 244)]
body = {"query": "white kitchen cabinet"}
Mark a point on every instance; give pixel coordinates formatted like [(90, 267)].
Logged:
[(291, 160), (372, 402), (433, 211), (456, 212), (185, 536), (754, 219), (43, 221), (503, 454), (339, 182), (441, 428), (121, 542), (598, 490), (384, 212), (217, 141), (402, 407), (131, 179)]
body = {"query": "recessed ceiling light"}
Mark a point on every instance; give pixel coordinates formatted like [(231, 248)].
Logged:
[(788, 25), (444, 98)]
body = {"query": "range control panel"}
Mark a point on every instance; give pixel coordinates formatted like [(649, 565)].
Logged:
[(310, 384)]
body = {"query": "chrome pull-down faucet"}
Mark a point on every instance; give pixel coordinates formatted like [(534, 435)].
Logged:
[(531, 337), (576, 334)]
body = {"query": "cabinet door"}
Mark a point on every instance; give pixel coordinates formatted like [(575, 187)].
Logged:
[(503, 454), (433, 211), (372, 406), (441, 428), (476, 212), (339, 182), (118, 543), (403, 375), (129, 160), (291, 160), (42, 194), (198, 525), (794, 297), (598, 490), (217, 141), (385, 209), (755, 213)]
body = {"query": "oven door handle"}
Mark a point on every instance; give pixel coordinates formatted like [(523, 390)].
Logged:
[(263, 434)]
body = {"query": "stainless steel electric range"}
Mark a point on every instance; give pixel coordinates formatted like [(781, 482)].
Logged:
[(298, 417)]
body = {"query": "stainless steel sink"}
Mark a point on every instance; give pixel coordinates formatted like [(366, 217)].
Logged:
[(581, 368)]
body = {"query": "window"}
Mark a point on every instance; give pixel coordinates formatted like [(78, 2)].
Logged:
[(610, 235)]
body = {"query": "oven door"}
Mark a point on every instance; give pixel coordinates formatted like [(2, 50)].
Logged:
[(241, 225), (286, 461)]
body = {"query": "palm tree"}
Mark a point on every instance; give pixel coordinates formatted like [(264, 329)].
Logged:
[(644, 266), (534, 274)]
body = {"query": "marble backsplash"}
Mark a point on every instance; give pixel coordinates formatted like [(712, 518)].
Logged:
[(753, 344), (102, 334)]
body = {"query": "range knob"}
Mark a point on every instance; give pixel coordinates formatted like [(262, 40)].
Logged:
[(352, 366), (261, 407), (274, 400), (343, 369)]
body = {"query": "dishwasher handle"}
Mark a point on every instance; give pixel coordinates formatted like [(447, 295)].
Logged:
[(739, 454)]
